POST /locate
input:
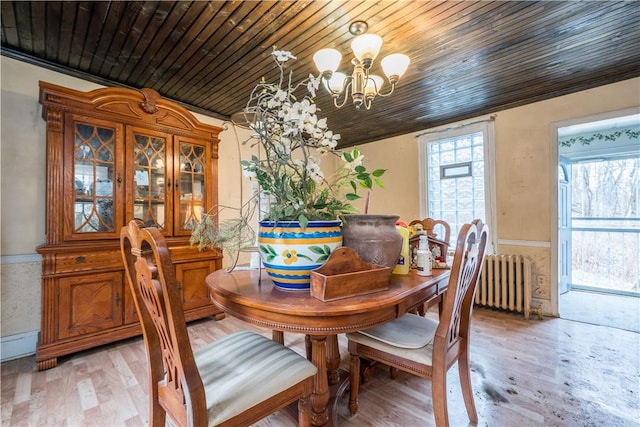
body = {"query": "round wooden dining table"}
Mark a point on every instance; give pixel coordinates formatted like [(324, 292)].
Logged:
[(250, 295)]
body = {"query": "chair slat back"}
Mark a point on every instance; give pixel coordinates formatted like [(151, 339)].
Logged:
[(174, 376), (458, 299), (429, 225)]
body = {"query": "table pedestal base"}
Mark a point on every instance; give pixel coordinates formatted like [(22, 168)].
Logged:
[(336, 395)]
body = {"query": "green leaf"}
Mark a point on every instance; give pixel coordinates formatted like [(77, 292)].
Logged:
[(352, 196), (379, 182), (378, 172), (304, 256), (316, 250), (367, 183), (268, 250), (304, 221)]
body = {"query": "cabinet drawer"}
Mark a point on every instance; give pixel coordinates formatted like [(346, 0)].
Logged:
[(66, 263)]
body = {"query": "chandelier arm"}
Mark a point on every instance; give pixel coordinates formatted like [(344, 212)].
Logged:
[(393, 86), (335, 101), (367, 103), (345, 91)]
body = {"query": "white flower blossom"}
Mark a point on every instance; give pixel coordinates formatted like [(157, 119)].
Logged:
[(282, 55), (329, 139), (314, 171), (313, 84), (277, 99), (316, 132)]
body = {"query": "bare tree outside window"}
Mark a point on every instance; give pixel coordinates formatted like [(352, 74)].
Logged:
[(606, 224)]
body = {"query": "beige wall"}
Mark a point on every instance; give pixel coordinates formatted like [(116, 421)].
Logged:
[(399, 156), (523, 178)]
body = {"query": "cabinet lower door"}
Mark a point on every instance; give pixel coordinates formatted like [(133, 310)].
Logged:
[(191, 280), (90, 304)]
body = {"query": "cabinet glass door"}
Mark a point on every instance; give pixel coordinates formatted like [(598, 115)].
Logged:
[(192, 182), (96, 179), (150, 179)]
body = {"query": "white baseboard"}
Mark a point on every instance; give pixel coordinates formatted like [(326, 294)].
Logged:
[(19, 345)]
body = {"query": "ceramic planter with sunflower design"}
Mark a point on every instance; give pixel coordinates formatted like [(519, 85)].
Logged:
[(289, 253)]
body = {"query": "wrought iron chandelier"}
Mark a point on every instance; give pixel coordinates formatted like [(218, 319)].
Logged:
[(363, 86)]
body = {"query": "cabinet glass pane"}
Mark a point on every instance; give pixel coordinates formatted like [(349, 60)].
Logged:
[(94, 186), (149, 180), (192, 185)]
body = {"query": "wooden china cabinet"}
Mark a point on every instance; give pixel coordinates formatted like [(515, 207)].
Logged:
[(115, 154)]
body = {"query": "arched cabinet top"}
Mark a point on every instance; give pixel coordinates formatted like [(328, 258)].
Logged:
[(129, 106)]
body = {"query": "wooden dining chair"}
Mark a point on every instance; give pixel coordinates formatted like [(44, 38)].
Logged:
[(424, 347), (233, 381), (429, 225)]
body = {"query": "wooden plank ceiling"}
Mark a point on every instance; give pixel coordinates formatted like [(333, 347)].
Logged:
[(468, 58)]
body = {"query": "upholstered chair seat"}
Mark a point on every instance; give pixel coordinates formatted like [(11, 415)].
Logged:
[(268, 369), (409, 337)]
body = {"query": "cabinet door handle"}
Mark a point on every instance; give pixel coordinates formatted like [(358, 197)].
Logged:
[(119, 180), (117, 298), (179, 284), (79, 259), (168, 183)]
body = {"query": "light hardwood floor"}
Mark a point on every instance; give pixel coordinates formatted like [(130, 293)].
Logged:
[(550, 372)]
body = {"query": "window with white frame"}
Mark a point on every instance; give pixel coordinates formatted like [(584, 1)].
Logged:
[(457, 185)]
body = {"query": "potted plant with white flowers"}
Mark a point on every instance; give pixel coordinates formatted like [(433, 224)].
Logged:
[(302, 202)]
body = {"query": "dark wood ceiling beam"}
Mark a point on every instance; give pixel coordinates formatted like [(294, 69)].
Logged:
[(9, 32), (78, 37), (188, 19), (155, 52), (38, 27), (204, 23), (115, 11), (223, 47), (506, 68), (26, 33), (136, 20), (132, 17), (136, 55), (253, 69), (65, 38), (90, 44)]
